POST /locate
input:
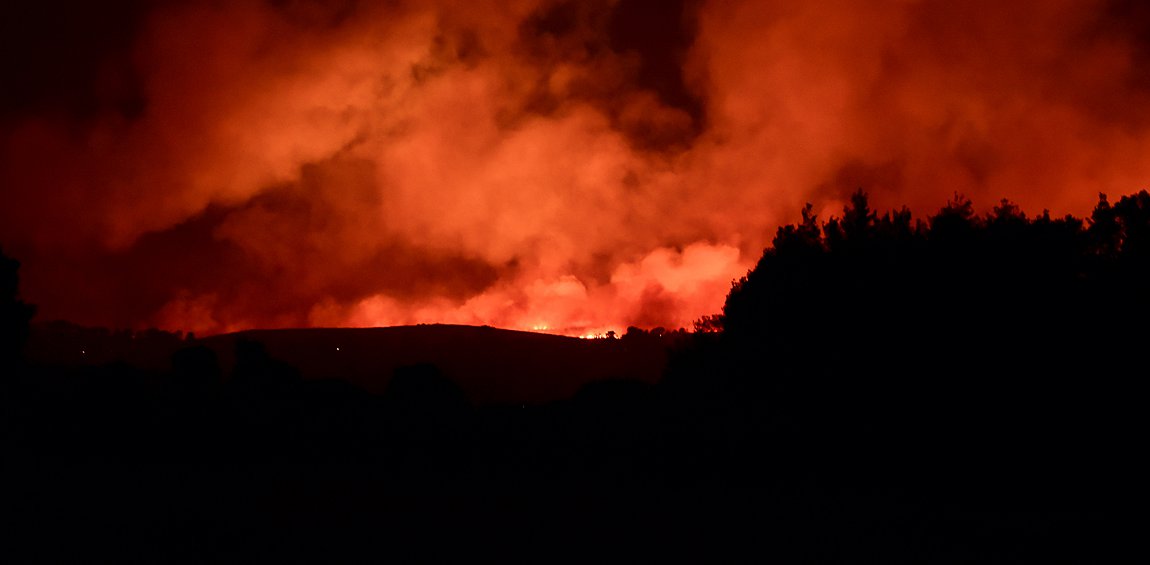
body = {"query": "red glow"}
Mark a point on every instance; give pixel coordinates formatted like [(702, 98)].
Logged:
[(449, 162)]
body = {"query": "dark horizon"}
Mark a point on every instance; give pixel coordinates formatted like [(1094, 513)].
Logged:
[(867, 282), (876, 388)]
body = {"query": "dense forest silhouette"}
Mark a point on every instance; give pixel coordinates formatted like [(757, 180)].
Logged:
[(959, 388)]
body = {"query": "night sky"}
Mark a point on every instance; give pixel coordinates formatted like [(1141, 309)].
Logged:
[(573, 167)]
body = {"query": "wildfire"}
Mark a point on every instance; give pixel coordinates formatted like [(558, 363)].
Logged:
[(414, 162)]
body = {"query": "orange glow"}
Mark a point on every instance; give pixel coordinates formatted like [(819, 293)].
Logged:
[(424, 162)]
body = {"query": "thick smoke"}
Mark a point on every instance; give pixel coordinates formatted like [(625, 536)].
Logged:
[(574, 166)]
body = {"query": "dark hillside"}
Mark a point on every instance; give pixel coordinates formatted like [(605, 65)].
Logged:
[(963, 388), (490, 365)]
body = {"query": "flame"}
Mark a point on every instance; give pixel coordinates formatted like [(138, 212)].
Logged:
[(528, 164)]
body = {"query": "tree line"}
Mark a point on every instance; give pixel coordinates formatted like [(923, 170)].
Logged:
[(877, 385)]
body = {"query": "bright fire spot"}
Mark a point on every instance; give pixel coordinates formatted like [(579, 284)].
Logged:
[(666, 287), (395, 197)]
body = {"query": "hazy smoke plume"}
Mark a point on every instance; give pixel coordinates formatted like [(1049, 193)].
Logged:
[(575, 166)]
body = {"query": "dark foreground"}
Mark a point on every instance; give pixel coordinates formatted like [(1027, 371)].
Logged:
[(969, 389), (197, 463)]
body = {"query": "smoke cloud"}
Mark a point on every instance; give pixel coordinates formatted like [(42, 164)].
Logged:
[(537, 164)]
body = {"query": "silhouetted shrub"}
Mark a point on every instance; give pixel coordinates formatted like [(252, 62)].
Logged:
[(257, 369), (196, 369), (15, 315)]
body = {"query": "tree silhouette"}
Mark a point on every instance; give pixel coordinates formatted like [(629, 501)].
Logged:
[(965, 335), (15, 315), (961, 387)]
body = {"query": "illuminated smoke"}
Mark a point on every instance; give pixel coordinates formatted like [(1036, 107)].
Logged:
[(535, 164)]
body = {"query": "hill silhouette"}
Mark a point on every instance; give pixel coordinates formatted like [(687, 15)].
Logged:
[(490, 365), (963, 388)]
